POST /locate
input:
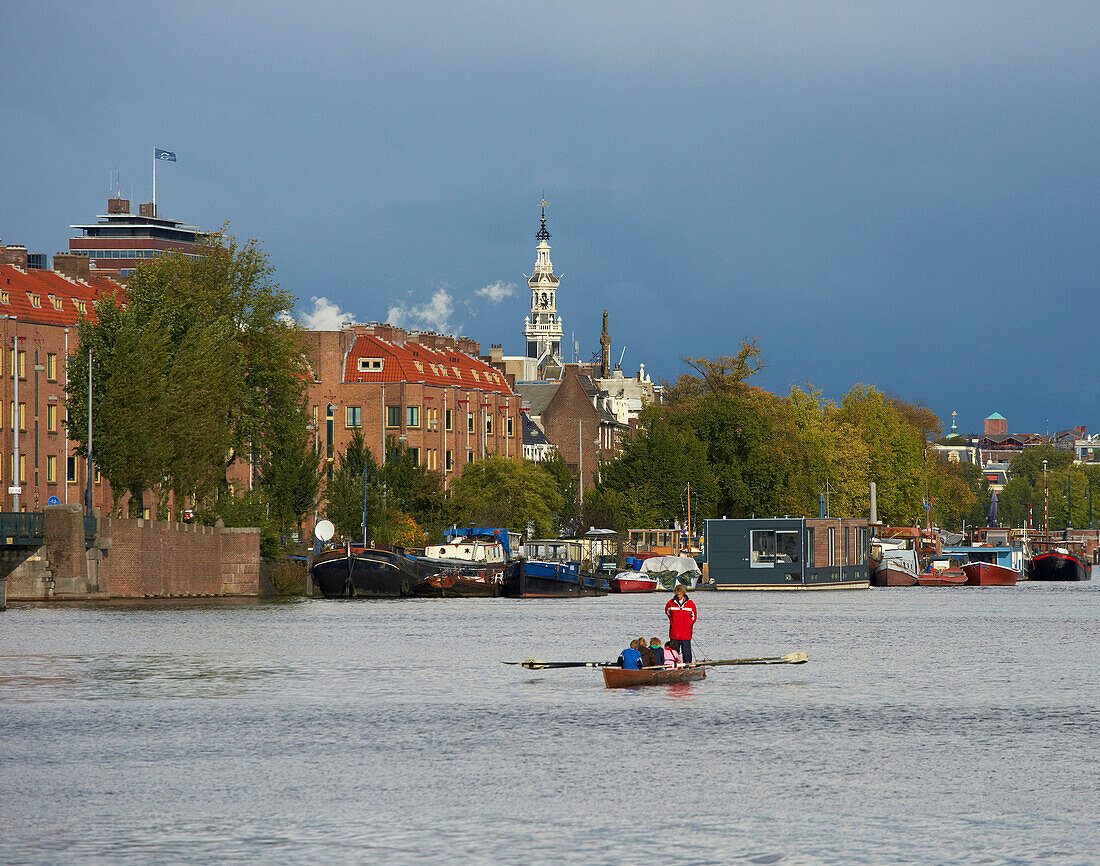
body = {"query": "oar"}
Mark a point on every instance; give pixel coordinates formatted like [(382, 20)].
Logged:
[(788, 659), (536, 665)]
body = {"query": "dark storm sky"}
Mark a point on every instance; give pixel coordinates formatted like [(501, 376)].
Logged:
[(898, 194)]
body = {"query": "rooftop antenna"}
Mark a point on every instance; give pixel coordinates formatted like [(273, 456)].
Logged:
[(621, 354)]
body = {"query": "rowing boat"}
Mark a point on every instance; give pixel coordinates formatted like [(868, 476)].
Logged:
[(618, 678)]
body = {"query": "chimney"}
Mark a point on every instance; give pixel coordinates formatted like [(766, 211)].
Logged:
[(147, 209), (16, 254), (605, 346), (72, 265), (118, 205), (496, 353)]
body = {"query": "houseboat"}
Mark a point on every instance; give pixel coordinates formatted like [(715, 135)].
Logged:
[(354, 571), (988, 565), (552, 568), (788, 553)]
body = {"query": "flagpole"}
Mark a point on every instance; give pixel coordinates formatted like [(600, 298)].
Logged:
[(154, 181)]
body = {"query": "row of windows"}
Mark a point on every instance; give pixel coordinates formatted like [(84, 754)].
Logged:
[(51, 469), (131, 254), (51, 416), (354, 418), (21, 362), (35, 300)]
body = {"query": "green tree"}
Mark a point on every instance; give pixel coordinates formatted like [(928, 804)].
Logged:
[(506, 492), (356, 475), (199, 366)]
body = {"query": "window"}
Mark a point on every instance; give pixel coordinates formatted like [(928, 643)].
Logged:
[(846, 555), (56, 301), (51, 417), (832, 545), (447, 420), (370, 365), (762, 547), (22, 416), (51, 469), (354, 416), (22, 467), (98, 476), (70, 468), (36, 300), (510, 427), (469, 455), (51, 368), (22, 364), (393, 416), (469, 422), (450, 460), (810, 547), (786, 546), (81, 306), (412, 416), (488, 425), (414, 455), (5, 298)]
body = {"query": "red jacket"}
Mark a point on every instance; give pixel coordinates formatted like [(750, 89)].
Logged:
[(681, 618)]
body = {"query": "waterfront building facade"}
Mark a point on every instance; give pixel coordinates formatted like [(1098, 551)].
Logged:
[(40, 311), (429, 392)]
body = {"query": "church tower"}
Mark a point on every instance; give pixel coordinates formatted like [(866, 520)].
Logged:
[(542, 329)]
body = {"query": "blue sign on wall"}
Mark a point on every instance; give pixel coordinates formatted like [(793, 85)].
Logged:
[(53, 500)]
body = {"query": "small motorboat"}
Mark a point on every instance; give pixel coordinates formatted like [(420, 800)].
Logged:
[(618, 678), (989, 574), (633, 581), (943, 577), (455, 584)]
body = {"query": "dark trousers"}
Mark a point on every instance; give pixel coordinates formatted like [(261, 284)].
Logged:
[(683, 647)]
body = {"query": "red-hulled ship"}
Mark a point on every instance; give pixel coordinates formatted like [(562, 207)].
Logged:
[(1059, 564), (989, 574), (943, 577)]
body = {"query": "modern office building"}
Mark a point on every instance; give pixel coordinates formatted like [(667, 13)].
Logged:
[(120, 240)]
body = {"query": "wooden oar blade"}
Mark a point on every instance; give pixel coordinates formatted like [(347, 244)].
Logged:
[(789, 659)]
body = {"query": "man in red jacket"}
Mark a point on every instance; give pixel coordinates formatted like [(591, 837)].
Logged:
[(681, 614)]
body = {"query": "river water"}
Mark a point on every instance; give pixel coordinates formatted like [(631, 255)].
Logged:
[(931, 725)]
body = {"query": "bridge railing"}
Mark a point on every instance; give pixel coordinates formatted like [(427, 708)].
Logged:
[(22, 528)]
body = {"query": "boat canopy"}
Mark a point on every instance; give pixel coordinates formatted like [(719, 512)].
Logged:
[(678, 564), (481, 533)]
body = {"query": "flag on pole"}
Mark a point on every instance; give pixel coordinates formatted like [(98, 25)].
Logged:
[(164, 154)]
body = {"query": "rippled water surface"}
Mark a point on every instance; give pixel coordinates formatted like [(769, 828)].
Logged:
[(931, 725)]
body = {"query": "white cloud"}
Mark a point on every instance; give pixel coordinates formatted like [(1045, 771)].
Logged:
[(434, 314), (497, 292), (326, 316)]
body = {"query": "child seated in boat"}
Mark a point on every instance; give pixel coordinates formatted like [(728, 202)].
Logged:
[(630, 659), (655, 648), (649, 658), (673, 659)]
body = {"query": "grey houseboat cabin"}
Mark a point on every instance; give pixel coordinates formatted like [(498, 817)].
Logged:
[(789, 553)]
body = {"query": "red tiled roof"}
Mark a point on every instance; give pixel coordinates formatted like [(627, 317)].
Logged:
[(56, 295), (412, 362)]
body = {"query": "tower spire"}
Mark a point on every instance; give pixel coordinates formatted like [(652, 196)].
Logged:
[(543, 331)]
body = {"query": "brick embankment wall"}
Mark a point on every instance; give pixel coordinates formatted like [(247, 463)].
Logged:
[(133, 559), (150, 558)]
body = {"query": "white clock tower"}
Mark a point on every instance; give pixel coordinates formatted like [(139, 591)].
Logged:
[(542, 329)]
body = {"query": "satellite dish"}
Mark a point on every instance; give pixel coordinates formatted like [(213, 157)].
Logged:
[(324, 530)]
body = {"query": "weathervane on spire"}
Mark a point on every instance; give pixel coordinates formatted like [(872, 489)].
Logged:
[(543, 234)]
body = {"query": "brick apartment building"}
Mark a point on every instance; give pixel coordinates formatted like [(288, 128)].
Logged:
[(41, 309), (428, 391)]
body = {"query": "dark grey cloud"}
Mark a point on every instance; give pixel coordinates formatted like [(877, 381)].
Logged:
[(902, 194)]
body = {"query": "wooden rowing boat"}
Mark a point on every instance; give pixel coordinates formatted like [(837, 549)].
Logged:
[(618, 678)]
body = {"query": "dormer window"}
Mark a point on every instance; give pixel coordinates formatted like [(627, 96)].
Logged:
[(5, 298), (36, 300), (80, 305), (56, 301), (370, 365)]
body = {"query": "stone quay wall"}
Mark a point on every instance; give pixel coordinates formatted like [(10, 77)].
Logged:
[(133, 559)]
